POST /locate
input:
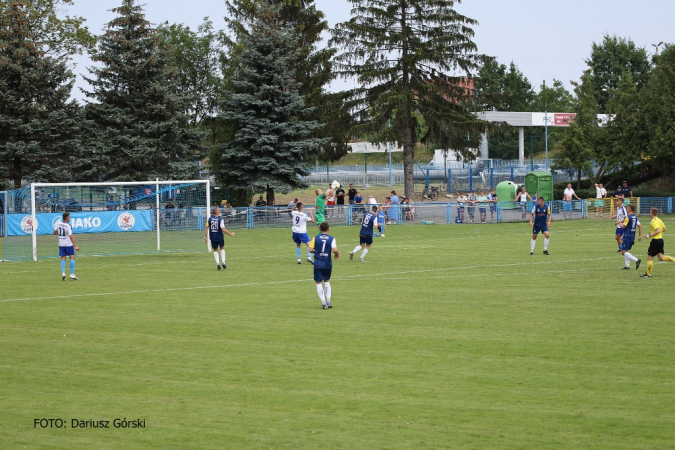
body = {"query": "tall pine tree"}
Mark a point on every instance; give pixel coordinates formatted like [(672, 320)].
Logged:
[(38, 123), (413, 60), (273, 143), (139, 128), (313, 66)]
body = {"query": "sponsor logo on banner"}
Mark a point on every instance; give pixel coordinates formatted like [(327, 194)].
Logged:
[(564, 119), (27, 224), (126, 221)]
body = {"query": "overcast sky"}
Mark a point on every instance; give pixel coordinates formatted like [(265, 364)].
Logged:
[(546, 39)]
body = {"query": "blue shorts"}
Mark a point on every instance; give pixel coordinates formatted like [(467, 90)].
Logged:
[(300, 238), (493, 208), (482, 210), (322, 274), (567, 206), (539, 229), (627, 244), (67, 251), (220, 243), (368, 240), (619, 231)]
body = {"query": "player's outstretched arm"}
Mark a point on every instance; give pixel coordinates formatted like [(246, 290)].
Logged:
[(640, 235), (206, 230), (226, 232)]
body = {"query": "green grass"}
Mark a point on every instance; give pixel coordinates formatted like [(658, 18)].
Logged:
[(450, 337)]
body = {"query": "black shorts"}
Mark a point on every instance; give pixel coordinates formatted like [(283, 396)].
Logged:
[(217, 243), (655, 247), (368, 240)]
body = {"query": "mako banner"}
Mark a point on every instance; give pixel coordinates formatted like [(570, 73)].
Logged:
[(83, 222)]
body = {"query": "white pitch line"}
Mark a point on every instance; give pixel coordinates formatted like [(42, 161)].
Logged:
[(268, 283)]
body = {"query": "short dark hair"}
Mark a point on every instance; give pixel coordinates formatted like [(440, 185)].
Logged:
[(215, 209), (374, 208), (299, 204), (66, 216), (323, 226)]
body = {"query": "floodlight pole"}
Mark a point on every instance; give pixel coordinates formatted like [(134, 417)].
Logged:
[(390, 173)]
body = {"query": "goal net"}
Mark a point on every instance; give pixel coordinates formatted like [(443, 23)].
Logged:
[(107, 218)]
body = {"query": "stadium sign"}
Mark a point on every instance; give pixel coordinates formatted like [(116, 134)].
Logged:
[(83, 222)]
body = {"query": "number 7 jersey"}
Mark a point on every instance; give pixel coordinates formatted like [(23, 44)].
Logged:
[(323, 246)]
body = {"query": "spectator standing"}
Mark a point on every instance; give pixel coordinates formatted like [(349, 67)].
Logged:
[(618, 192), (351, 193), (461, 199), (522, 198), (340, 199), (472, 205), (393, 211), (482, 207), (492, 198), (625, 190), (600, 193), (568, 193)]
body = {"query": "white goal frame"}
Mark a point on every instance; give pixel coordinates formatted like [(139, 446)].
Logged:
[(156, 182)]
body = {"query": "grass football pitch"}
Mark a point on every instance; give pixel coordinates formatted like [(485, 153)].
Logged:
[(449, 337)]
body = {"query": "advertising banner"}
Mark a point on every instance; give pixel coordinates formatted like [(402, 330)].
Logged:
[(83, 222)]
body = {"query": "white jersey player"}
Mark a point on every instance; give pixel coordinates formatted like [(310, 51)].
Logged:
[(67, 245), (299, 229), (620, 217)]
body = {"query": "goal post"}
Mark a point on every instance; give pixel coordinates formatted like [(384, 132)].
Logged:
[(122, 217)]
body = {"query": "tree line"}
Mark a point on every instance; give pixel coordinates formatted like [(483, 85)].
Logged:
[(254, 101)]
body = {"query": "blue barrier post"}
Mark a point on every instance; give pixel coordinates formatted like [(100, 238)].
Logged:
[(511, 174), (584, 209), (449, 180), (448, 213), (670, 205), (492, 178), (470, 179), (427, 177), (249, 218)]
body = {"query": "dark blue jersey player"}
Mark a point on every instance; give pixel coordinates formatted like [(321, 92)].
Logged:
[(540, 221), (366, 234), (630, 225), (323, 246), (215, 227)]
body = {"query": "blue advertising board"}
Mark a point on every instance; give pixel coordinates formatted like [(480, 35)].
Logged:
[(83, 222)]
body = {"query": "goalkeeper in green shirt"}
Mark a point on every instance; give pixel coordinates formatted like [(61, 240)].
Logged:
[(321, 205)]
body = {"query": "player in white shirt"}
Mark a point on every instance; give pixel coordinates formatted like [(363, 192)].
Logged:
[(299, 228), (620, 216), (67, 245)]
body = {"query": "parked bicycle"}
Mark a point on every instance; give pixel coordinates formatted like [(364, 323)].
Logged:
[(430, 192)]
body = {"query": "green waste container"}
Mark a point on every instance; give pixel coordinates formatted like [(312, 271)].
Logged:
[(506, 192), (541, 183)]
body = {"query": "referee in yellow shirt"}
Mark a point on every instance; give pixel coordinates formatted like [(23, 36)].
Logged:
[(656, 230)]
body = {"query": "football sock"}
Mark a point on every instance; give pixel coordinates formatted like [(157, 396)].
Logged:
[(222, 256), (631, 257), (650, 267), (546, 243), (319, 290), (309, 254), (297, 252), (532, 245), (669, 258), (215, 255), (627, 260), (328, 291), (63, 266), (365, 252), (357, 248), (72, 267)]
